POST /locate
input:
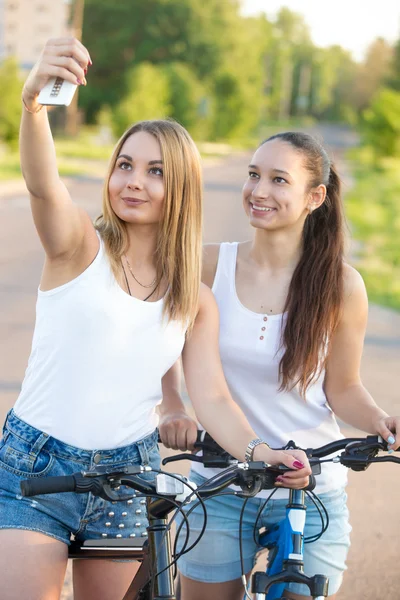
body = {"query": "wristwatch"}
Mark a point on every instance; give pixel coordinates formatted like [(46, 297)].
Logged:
[(248, 455)]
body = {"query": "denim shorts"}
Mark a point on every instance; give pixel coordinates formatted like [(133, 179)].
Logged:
[(216, 557), (26, 452)]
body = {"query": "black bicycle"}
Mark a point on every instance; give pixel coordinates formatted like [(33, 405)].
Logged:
[(155, 578)]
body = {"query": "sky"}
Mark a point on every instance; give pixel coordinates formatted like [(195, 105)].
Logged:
[(353, 24)]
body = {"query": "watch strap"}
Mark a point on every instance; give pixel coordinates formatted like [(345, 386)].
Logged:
[(248, 455)]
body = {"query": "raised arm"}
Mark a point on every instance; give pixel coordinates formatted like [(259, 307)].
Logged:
[(61, 225)]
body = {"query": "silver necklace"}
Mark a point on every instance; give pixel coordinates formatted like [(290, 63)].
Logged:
[(137, 281), (128, 286)]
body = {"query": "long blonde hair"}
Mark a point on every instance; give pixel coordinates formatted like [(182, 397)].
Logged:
[(178, 251)]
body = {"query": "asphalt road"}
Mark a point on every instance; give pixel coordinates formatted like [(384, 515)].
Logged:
[(374, 496)]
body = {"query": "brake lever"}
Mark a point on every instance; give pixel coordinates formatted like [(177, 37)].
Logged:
[(359, 455), (108, 493), (356, 463), (175, 457), (379, 459)]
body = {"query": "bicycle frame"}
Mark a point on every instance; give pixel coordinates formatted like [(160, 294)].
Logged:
[(154, 553), (285, 560)]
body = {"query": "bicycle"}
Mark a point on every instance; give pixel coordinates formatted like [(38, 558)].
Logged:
[(285, 540), (154, 580)]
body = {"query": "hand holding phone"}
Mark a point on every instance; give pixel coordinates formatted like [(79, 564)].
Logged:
[(57, 92), (61, 67)]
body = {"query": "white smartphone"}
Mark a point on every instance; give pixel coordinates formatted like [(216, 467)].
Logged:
[(57, 92)]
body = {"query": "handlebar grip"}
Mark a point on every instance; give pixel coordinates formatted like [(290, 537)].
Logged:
[(311, 484), (48, 485)]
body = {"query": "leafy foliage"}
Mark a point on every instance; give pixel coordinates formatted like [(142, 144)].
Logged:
[(147, 97), (381, 124), (188, 99), (373, 208), (10, 106), (223, 75)]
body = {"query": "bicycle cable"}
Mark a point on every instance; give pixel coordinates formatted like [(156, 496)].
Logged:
[(325, 524), (180, 509), (184, 550), (243, 577), (152, 578), (169, 525), (200, 501), (259, 513)]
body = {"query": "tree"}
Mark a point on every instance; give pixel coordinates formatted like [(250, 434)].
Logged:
[(372, 73), (381, 123), (288, 57), (394, 77), (332, 83), (147, 97), (187, 97), (120, 35)]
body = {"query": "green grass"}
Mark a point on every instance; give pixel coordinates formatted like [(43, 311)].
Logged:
[(373, 209), (85, 146), (83, 155), (9, 167)]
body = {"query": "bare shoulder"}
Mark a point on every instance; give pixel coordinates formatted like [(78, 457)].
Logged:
[(353, 282), (210, 261), (355, 294), (207, 298), (208, 308)]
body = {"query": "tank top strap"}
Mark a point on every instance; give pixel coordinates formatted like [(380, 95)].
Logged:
[(226, 267)]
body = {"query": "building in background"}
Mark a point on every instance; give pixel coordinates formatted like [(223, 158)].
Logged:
[(26, 25)]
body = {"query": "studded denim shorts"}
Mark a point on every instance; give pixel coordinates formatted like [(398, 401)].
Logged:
[(26, 452)]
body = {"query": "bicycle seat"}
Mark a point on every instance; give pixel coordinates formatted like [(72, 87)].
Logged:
[(108, 548)]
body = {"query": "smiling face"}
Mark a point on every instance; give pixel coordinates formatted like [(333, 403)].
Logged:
[(136, 186), (276, 194)]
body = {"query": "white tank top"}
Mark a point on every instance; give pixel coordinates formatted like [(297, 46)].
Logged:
[(98, 355), (250, 353)]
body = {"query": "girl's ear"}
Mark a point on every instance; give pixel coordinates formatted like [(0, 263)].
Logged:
[(316, 197)]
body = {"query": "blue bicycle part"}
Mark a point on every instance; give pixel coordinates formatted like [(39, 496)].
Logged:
[(285, 542)]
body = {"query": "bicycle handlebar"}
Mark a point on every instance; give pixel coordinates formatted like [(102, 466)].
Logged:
[(358, 454), (370, 440), (100, 483)]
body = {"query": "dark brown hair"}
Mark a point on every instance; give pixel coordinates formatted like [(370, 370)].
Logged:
[(315, 296)]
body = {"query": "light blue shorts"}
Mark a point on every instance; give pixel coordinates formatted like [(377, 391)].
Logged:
[(27, 453), (216, 557)]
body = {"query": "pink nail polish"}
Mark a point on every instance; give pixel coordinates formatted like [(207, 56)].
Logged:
[(79, 81), (298, 465)]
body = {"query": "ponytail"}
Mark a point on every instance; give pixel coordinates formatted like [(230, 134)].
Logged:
[(315, 296)]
